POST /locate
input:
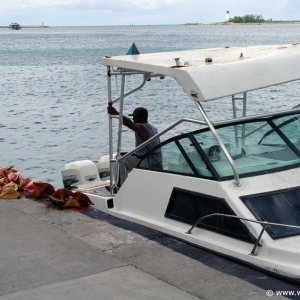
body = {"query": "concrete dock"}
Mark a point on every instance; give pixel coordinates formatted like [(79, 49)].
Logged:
[(62, 254)]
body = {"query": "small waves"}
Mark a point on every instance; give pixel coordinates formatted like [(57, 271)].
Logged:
[(54, 89)]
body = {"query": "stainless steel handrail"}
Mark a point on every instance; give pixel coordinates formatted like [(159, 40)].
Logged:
[(132, 91), (237, 181), (263, 223), (109, 125), (161, 133), (123, 73), (177, 123), (110, 102), (234, 110)]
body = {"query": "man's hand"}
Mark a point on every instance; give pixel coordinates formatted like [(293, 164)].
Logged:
[(137, 127), (112, 111)]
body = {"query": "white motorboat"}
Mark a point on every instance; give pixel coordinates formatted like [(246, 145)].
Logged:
[(231, 187)]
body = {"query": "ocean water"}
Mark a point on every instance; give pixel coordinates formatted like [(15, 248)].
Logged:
[(53, 93)]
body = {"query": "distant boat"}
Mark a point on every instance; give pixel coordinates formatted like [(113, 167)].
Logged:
[(15, 26)]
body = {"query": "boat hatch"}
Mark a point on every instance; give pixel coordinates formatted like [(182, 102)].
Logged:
[(281, 207), (187, 206), (257, 146)]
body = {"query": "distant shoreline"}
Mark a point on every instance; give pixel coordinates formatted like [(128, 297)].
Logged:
[(29, 26), (261, 23), (186, 24)]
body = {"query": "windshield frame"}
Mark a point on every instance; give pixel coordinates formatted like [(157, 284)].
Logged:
[(211, 166)]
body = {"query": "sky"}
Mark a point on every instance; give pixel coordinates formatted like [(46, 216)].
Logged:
[(140, 12)]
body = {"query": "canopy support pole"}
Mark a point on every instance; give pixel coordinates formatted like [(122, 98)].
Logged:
[(237, 181), (244, 98), (114, 178), (110, 128)]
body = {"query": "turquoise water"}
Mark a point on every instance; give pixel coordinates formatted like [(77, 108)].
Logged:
[(53, 88)]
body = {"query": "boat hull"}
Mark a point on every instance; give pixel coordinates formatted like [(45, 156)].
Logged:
[(141, 204)]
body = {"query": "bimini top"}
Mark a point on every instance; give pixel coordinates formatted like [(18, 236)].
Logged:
[(208, 74)]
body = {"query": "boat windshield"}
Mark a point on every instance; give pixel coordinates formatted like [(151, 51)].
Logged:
[(258, 146), (255, 146)]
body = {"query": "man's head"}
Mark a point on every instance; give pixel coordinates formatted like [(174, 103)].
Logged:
[(140, 115)]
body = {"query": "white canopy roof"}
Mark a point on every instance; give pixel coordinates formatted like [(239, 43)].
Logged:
[(232, 70)]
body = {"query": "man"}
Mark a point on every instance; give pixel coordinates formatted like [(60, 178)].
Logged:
[(143, 131)]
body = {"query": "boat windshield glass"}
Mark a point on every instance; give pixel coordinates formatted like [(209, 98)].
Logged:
[(257, 146), (253, 146), (290, 127)]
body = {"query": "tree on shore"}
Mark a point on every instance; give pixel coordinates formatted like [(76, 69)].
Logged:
[(247, 19)]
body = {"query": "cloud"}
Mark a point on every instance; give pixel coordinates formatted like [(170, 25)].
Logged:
[(90, 4), (122, 12)]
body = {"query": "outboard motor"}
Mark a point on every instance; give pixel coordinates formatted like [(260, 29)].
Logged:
[(103, 167), (79, 172), (85, 171)]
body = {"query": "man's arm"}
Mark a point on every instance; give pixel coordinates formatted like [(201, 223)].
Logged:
[(137, 127)]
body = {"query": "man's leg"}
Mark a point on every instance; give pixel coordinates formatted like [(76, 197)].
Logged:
[(126, 166)]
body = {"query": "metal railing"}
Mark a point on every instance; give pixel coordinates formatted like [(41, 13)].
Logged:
[(147, 75), (160, 134), (263, 223), (237, 181)]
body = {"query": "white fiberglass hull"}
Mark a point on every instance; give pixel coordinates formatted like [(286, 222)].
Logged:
[(145, 195)]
